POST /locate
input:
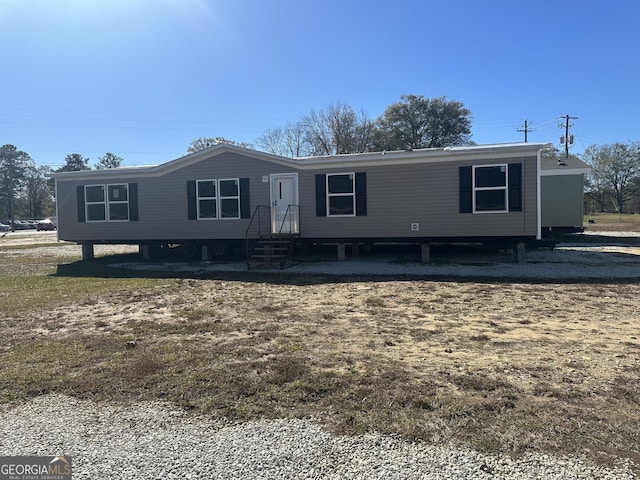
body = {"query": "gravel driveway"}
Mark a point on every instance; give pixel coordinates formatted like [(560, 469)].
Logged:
[(156, 441)]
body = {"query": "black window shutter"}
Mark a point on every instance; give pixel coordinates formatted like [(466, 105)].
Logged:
[(245, 203), (466, 190), (515, 187), (80, 199), (192, 205), (361, 193), (133, 202), (321, 195)]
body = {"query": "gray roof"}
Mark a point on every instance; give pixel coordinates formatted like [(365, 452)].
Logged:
[(563, 166), (429, 155)]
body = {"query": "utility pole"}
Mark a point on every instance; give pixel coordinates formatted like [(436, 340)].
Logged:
[(567, 139), (525, 130)]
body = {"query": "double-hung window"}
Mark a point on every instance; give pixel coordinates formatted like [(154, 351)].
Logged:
[(107, 203), (118, 202), (218, 199), (207, 199), (490, 187), (229, 198), (95, 204), (341, 195), (115, 202)]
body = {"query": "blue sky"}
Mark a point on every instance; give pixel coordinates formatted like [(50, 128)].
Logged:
[(143, 78)]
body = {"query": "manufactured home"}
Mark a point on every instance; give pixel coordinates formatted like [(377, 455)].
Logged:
[(228, 197)]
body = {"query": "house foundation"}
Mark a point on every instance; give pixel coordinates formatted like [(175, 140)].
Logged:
[(87, 251), (519, 252), (425, 252)]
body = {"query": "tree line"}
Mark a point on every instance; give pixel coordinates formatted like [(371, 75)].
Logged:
[(26, 191), (414, 122), (613, 184)]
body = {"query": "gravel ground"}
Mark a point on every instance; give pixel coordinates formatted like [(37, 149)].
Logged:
[(567, 261), (153, 441)]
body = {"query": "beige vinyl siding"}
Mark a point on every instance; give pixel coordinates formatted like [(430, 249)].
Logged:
[(427, 194)]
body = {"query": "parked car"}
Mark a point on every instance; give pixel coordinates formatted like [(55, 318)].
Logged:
[(4, 227), (20, 225), (46, 224)]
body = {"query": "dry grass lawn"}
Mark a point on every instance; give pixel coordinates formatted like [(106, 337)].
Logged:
[(498, 366), (612, 222)]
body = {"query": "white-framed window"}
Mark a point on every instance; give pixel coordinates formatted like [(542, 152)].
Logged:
[(490, 189), (107, 203), (218, 199), (341, 196), (207, 199), (229, 197), (95, 203), (118, 202)]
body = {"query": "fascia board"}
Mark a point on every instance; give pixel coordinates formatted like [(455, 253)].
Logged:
[(560, 172), (107, 172)]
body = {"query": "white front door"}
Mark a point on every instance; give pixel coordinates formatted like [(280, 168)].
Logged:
[(284, 203)]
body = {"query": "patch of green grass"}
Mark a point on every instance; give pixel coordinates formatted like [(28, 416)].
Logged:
[(31, 284), (27, 246)]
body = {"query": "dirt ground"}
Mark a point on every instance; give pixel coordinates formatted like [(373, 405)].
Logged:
[(522, 329), (526, 333), (564, 346)]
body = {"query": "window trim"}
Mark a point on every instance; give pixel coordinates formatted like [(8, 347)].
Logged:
[(199, 198), (106, 203), (87, 203), (329, 195), (219, 198), (119, 202), (232, 197), (504, 188)]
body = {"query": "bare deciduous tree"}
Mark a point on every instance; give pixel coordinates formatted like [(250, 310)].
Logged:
[(286, 141), (202, 143), (35, 199), (337, 129), (615, 169)]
